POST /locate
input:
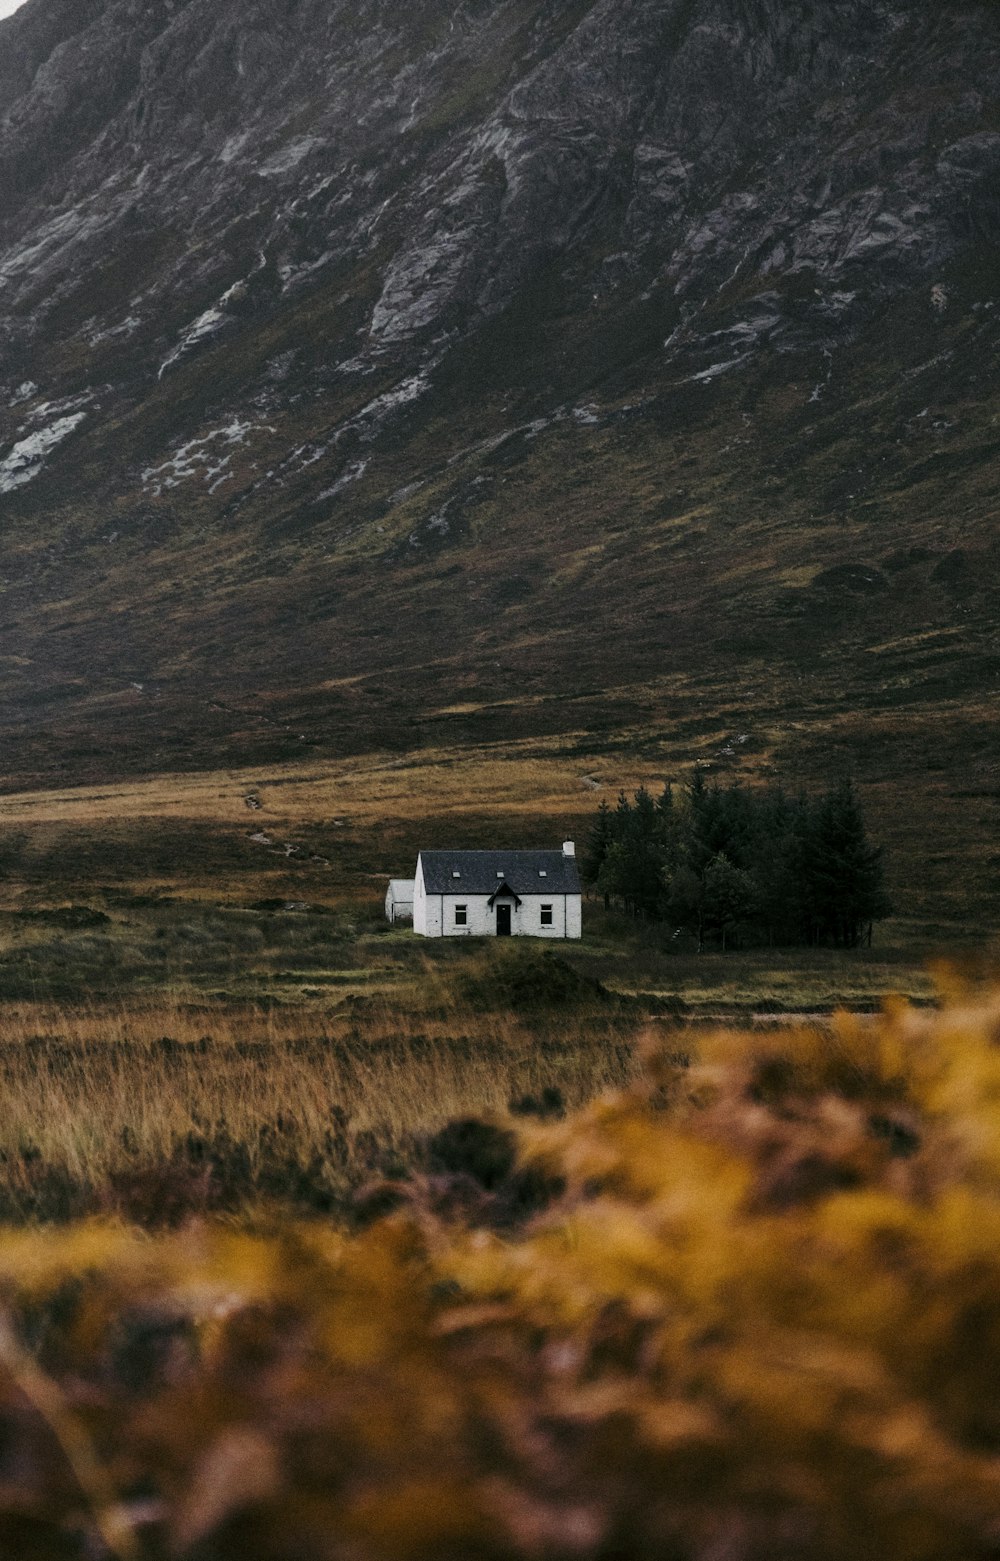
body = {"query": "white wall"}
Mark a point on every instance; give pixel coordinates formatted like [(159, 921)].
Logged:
[(426, 908), (397, 908), (434, 916), (481, 920)]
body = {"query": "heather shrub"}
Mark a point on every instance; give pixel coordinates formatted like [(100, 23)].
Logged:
[(758, 1319), (525, 980)]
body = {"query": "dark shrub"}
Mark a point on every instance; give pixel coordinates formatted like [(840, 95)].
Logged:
[(480, 1150), (548, 1103), (529, 979)]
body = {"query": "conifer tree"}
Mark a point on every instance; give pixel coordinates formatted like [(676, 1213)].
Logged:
[(598, 843), (729, 898), (642, 857), (843, 871), (776, 867)]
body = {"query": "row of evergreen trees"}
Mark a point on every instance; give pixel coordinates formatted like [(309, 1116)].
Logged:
[(728, 865)]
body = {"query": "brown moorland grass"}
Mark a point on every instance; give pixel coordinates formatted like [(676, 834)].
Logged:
[(333, 1049), (524, 780), (173, 1099), (161, 1110)]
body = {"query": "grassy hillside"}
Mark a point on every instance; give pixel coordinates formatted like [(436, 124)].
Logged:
[(731, 560)]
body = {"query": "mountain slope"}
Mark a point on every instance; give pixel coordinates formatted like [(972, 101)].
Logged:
[(615, 372)]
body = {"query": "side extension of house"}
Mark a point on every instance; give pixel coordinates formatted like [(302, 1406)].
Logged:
[(399, 900)]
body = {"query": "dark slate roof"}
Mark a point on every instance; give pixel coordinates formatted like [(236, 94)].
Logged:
[(482, 871)]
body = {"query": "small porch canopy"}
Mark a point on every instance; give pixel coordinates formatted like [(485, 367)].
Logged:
[(503, 892)]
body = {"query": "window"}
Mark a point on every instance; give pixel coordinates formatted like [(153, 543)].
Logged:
[(501, 875), (542, 873), (455, 873), (461, 916), (546, 916)]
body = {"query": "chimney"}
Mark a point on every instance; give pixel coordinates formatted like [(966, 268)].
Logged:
[(569, 849)]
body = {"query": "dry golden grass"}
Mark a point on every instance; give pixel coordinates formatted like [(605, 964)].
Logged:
[(290, 1105), (506, 782)]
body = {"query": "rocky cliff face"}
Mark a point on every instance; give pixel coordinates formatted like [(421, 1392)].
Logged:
[(367, 370), (236, 156)]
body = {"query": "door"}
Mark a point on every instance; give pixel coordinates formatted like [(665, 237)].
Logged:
[(503, 921)]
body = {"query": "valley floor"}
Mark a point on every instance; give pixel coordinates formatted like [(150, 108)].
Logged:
[(204, 1007)]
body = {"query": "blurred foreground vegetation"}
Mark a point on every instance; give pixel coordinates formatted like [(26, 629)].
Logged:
[(747, 1304)]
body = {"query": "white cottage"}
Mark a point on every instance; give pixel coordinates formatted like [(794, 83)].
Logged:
[(527, 894), (399, 900)]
